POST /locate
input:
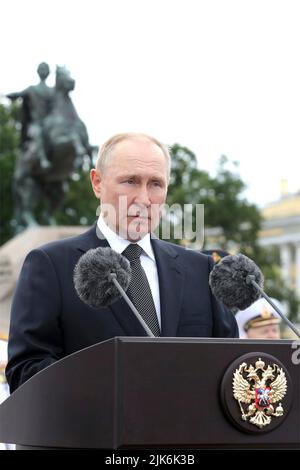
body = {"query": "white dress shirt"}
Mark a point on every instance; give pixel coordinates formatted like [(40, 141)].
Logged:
[(147, 258)]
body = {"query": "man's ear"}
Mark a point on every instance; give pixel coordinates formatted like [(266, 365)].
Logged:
[(96, 182)]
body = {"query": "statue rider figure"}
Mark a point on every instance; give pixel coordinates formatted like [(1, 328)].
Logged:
[(37, 102)]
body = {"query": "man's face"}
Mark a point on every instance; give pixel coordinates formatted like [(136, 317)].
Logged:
[(132, 187), (264, 332)]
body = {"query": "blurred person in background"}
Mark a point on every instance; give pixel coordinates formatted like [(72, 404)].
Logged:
[(260, 320)]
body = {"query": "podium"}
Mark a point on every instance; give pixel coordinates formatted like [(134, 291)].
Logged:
[(143, 393)]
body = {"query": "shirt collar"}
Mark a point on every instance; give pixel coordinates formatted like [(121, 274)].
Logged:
[(119, 244)]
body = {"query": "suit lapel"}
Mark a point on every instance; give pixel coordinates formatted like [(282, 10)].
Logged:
[(93, 238), (171, 279)]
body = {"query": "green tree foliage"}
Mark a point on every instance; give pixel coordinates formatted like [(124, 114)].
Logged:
[(80, 205), (268, 260), (9, 144), (222, 196), (227, 208)]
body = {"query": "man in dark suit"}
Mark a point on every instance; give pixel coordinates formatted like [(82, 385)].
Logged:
[(49, 321)]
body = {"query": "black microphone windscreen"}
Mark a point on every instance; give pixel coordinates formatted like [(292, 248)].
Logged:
[(228, 281), (92, 276)]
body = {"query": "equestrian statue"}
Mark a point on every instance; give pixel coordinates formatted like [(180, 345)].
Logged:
[(54, 144)]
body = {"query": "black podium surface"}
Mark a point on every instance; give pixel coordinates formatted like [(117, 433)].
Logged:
[(135, 393)]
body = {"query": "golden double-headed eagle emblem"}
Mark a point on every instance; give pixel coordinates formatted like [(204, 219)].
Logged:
[(257, 389)]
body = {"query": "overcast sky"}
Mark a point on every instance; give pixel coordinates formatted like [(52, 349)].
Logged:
[(218, 76)]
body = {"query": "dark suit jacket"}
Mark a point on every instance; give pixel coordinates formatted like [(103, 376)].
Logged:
[(49, 321)]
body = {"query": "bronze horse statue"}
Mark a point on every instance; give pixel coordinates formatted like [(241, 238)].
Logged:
[(63, 139)]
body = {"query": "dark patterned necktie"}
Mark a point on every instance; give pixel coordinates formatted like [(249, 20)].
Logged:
[(139, 290)]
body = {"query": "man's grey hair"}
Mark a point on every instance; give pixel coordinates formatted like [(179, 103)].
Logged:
[(105, 151)]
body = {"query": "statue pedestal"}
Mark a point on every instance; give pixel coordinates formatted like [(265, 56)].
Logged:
[(12, 255)]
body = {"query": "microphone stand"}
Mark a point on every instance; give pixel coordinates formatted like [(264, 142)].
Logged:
[(250, 279), (113, 277)]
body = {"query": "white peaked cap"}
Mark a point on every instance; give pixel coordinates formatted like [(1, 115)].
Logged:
[(260, 313)]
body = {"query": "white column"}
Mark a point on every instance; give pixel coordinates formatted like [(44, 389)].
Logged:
[(286, 261), (297, 263)]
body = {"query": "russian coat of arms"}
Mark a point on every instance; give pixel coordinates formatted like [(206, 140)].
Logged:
[(259, 390)]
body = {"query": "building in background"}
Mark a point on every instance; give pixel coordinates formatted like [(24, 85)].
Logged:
[(281, 229)]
